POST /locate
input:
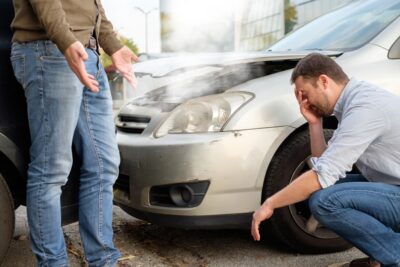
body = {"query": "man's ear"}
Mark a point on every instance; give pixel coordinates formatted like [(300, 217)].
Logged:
[(324, 80)]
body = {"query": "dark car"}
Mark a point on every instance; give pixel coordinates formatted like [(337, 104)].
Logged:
[(15, 142)]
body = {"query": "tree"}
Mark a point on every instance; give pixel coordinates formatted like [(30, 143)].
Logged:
[(166, 31), (290, 16)]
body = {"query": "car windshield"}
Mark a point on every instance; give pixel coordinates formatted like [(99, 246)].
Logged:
[(345, 29)]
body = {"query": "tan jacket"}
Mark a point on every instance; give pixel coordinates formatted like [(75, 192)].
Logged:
[(63, 22)]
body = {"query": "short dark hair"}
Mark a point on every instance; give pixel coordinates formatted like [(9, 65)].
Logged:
[(315, 64)]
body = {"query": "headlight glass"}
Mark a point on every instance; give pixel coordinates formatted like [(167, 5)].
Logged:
[(204, 114)]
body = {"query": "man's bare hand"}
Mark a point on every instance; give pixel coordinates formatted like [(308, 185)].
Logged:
[(305, 108), (263, 213), (122, 61), (75, 55)]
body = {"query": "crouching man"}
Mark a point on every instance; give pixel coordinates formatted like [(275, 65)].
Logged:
[(364, 209)]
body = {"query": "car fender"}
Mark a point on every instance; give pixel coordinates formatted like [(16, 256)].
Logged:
[(274, 104)]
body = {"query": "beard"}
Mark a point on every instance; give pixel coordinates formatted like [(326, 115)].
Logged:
[(322, 108), (322, 113)]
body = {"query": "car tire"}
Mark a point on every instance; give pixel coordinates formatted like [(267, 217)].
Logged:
[(290, 225), (7, 219)]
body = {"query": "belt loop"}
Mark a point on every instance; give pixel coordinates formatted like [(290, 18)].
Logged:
[(45, 46)]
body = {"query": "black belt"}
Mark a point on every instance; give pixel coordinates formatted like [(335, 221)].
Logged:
[(92, 44)]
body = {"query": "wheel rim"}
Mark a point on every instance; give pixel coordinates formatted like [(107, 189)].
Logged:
[(300, 212)]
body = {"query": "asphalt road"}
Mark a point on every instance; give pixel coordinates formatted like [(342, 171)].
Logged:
[(144, 244)]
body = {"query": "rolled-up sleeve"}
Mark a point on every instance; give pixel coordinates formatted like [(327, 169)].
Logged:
[(359, 127)]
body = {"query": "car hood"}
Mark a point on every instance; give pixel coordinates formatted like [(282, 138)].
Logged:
[(185, 62), (168, 82)]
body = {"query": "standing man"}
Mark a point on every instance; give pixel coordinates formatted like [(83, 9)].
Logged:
[(363, 209), (55, 58)]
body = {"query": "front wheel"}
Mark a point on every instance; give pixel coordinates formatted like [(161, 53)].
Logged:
[(294, 225), (6, 219)]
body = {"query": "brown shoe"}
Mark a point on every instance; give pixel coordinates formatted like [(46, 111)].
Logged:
[(364, 262), (339, 264)]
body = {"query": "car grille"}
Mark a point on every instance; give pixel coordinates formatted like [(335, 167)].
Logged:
[(132, 123)]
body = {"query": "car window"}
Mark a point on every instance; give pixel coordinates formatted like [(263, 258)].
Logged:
[(394, 52), (345, 29)]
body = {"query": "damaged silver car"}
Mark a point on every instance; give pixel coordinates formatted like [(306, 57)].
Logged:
[(215, 135)]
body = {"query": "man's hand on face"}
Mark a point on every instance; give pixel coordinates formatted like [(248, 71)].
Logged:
[(263, 213), (75, 55), (306, 109), (122, 61)]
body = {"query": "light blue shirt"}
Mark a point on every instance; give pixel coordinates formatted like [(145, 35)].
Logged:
[(368, 134)]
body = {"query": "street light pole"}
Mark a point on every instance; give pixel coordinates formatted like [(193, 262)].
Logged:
[(146, 25)]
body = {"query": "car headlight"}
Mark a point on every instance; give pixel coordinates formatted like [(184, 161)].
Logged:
[(204, 114)]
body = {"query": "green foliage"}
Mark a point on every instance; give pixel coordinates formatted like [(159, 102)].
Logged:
[(166, 31), (166, 27), (106, 60), (290, 16)]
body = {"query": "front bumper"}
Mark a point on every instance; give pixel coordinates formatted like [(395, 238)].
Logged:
[(234, 164), (194, 222)]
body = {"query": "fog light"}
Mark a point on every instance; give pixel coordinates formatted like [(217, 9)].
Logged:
[(181, 195)]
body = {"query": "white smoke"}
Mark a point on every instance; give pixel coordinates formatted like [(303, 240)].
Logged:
[(196, 32)]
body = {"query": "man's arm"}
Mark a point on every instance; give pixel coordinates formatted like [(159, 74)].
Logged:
[(121, 56), (52, 17), (299, 190), (317, 138)]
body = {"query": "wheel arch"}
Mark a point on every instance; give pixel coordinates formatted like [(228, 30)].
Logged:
[(13, 166), (328, 123)]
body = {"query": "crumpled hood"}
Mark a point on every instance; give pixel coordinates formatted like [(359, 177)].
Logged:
[(168, 66), (169, 82)]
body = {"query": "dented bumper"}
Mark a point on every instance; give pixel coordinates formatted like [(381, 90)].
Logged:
[(225, 169)]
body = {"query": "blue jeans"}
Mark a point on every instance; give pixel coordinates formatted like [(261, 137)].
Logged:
[(62, 113), (364, 213)]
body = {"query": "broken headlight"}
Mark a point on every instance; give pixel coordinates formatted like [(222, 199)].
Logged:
[(204, 114)]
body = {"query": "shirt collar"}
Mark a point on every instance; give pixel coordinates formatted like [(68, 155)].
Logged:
[(351, 84)]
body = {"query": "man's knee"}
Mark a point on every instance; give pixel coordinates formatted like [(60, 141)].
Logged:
[(322, 203)]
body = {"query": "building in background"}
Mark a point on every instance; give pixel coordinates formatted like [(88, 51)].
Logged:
[(262, 22), (258, 24), (234, 25)]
